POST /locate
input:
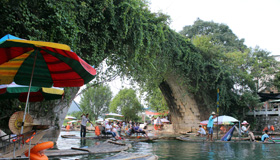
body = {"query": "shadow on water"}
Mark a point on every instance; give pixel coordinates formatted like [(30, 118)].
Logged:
[(174, 149)]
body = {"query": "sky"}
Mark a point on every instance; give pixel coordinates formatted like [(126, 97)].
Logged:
[(257, 21)]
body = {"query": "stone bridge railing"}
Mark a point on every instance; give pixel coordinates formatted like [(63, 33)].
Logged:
[(266, 112)]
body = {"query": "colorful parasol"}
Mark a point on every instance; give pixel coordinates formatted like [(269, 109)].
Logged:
[(44, 64), (37, 94), (47, 64), (225, 120), (70, 118), (114, 114)]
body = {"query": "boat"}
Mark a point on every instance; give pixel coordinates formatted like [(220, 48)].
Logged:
[(234, 140)]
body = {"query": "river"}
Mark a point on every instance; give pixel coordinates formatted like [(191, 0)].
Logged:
[(177, 150)]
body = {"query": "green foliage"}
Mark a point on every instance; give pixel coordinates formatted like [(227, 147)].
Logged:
[(263, 67), (276, 81), (139, 44), (156, 101), (77, 114), (221, 35), (229, 65), (126, 103), (96, 100)]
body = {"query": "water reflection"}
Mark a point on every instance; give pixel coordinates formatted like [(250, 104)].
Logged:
[(174, 149)]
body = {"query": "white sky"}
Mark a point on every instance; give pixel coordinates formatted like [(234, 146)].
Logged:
[(257, 21)]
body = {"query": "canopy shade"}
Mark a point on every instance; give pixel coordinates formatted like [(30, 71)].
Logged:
[(225, 119), (113, 119), (54, 64), (37, 94), (73, 121), (114, 114), (70, 117), (155, 113)]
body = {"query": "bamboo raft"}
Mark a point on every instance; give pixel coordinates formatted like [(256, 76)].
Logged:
[(132, 156), (235, 140), (141, 139), (77, 137), (134, 139), (105, 147)]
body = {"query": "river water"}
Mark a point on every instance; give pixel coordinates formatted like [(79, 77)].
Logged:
[(177, 150)]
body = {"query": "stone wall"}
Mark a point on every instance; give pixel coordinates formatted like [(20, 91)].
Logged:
[(53, 113), (186, 113)]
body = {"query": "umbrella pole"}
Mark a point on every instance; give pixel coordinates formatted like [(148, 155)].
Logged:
[(239, 131), (27, 99), (217, 127)]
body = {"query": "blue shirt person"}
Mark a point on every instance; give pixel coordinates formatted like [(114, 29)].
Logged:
[(210, 125), (266, 137)]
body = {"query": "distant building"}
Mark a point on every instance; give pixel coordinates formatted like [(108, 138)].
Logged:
[(74, 107)]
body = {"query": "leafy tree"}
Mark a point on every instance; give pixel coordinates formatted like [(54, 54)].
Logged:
[(96, 101), (263, 67), (220, 34), (156, 101), (276, 81), (136, 43), (77, 114), (126, 103)]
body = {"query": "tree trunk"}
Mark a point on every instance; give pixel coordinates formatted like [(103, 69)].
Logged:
[(186, 112)]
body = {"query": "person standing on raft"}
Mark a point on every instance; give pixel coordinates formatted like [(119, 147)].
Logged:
[(84, 124), (210, 126)]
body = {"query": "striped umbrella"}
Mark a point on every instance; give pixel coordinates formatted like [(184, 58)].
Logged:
[(44, 64), (37, 94)]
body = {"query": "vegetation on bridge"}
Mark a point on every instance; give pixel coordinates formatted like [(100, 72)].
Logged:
[(138, 44)]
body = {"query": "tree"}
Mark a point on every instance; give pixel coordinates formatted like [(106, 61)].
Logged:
[(126, 103), (220, 34), (96, 101), (138, 44), (156, 101), (263, 68), (276, 81)]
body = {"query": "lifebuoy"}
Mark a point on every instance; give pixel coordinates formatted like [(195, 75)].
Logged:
[(42, 146), (36, 156)]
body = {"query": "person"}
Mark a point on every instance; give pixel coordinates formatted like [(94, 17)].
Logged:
[(201, 132), (223, 130), (115, 130), (119, 128), (137, 129), (98, 129), (123, 125), (265, 137), (157, 123), (84, 124), (210, 126), (145, 125), (129, 130), (245, 130), (108, 129)]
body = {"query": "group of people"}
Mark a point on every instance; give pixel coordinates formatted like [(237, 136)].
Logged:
[(115, 129), (245, 130)]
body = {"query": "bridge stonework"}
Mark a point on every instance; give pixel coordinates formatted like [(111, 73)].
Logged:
[(55, 114), (186, 113)]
